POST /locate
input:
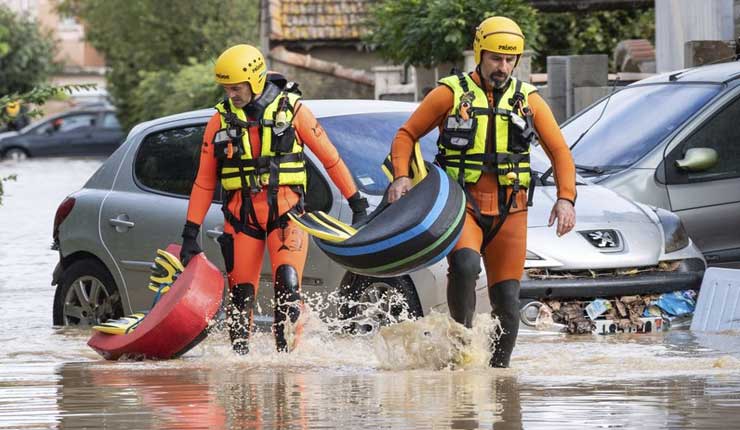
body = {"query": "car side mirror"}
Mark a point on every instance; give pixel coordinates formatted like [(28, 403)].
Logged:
[(698, 159)]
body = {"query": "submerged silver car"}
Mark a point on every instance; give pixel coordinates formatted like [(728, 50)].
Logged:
[(672, 141), (108, 231)]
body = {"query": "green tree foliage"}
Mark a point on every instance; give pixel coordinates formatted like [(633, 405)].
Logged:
[(599, 32), (431, 32), (26, 53), (37, 96), (140, 37), (189, 87)]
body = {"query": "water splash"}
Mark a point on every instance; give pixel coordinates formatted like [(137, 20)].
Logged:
[(379, 334), (435, 342), (389, 339)]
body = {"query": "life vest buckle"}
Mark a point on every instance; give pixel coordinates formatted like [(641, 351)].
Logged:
[(466, 102), (234, 132)]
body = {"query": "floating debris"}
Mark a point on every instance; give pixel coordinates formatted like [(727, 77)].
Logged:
[(628, 314)]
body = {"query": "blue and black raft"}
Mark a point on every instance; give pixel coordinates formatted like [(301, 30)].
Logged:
[(414, 232)]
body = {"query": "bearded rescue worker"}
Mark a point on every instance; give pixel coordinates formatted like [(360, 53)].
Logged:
[(487, 121), (254, 146)]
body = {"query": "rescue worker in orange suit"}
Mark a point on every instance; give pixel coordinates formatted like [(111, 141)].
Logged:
[(254, 146), (487, 121)]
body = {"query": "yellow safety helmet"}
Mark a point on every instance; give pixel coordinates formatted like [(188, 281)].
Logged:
[(13, 108), (242, 63), (498, 34)]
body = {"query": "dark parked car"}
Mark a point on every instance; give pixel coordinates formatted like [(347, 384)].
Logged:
[(91, 130), (672, 141)]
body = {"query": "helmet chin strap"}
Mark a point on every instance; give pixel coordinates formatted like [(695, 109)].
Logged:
[(252, 108)]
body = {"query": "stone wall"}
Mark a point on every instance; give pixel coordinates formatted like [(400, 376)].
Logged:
[(348, 56), (699, 52), (316, 85), (320, 85), (574, 82)]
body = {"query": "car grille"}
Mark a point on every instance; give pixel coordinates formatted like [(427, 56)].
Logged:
[(545, 273)]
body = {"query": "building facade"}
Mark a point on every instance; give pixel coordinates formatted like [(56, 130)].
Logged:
[(81, 63)]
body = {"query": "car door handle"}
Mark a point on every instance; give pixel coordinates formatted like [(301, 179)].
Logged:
[(121, 223), (214, 233)]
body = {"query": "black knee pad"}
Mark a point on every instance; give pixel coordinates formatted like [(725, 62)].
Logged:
[(462, 275), (464, 264), (286, 284), (242, 297), (504, 298), (287, 293), (287, 300)]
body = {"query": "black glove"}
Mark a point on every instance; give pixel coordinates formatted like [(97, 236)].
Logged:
[(190, 247), (359, 208)]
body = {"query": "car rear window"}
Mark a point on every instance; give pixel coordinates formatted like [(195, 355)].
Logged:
[(67, 123), (168, 160), (634, 121), (364, 140), (110, 121)]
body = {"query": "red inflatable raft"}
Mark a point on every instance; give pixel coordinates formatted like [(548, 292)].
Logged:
[(178, 321)]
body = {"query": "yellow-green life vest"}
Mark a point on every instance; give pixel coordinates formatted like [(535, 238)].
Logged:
[(511, 159), (280, 153)]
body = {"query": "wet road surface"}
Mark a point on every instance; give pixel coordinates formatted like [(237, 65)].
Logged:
[(49, 378)]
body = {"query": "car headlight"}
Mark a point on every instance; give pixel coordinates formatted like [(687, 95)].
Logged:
[(674, 232)]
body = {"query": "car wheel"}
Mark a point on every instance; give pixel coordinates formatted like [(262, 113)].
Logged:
[(368, 303), (86, 295), (15, 154)]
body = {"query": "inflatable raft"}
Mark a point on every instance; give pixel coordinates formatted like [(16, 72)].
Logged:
[(177, 322), (416, 231)]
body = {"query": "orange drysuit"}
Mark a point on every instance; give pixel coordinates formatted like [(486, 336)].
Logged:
[(285, 246), (504, 256)]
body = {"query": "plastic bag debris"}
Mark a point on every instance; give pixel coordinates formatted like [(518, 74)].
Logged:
[(677, 303)]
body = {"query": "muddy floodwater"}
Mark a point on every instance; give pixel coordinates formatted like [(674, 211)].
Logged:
[(49, 378)]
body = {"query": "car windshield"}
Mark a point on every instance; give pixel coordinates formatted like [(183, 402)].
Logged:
[(635, 120), (364, 140)]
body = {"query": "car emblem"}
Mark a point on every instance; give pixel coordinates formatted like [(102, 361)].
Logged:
[(604, 240)]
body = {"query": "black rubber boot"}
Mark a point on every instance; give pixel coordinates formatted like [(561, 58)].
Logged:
[(505, 304), (240, 317), (287, 303), (462, 274)]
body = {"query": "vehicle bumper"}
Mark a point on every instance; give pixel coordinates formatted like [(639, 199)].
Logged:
[(688, 275), (57, 273)]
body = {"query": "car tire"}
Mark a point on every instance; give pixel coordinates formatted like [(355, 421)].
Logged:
[(15, 154), (368, 303), (86, 295)]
